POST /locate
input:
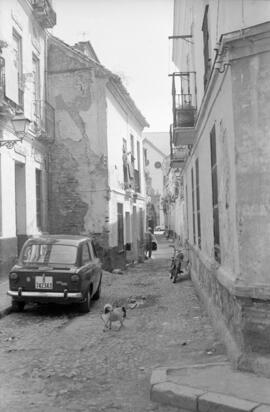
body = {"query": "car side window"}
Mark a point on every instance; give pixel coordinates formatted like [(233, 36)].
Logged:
[(85, 254), (92, 252)]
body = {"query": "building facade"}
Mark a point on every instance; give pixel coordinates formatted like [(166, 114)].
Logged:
[(154, 176), (221, 126), (23, 102), (96, 171)]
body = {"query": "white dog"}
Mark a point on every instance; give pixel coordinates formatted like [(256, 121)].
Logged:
[(111, 314)]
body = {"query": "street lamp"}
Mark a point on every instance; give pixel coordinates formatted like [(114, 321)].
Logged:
[(20, 125)]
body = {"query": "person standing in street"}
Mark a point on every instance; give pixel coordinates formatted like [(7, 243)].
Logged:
[(148, 243)]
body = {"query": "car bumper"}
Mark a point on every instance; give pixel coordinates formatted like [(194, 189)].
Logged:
[(21, 294)]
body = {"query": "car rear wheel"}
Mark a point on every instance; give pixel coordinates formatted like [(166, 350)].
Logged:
[(85, 305), (98, 292), (17, 306)]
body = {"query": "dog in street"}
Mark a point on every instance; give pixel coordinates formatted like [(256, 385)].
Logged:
[(111, 314)]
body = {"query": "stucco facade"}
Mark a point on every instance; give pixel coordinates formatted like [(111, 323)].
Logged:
[(24, 165), (225, 177), (154, 173), (94, 113)]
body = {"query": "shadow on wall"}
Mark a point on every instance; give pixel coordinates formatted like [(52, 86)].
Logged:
[(117, 257), (112, 257)]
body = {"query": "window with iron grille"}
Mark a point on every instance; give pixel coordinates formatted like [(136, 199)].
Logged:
[(198, 202), (193, 206), (120, 226), (215, 193), (38, 198), (18, 61), (207, 59)]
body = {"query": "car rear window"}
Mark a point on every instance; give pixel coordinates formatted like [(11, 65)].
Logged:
[(49, 253)]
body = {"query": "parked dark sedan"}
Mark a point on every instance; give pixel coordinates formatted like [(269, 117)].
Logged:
[(56, 268)]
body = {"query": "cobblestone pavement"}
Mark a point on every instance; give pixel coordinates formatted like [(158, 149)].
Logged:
[(53, 359)]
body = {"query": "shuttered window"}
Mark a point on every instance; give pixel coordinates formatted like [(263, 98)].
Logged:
[(193, 206), (207, 60), (138, 180), (18, 62), (120, 226), (198, 203), (215, 194)]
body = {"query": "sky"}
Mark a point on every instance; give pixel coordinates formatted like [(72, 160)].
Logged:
[(130, 37)]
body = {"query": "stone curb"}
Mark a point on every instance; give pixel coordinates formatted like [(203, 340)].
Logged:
[(191, 399), (5, 312)]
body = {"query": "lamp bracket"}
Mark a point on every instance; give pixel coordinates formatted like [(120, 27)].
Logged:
[(9, 143)]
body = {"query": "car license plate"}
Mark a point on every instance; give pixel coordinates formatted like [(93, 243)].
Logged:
[(44, 282)]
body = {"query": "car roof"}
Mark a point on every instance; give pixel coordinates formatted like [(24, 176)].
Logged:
[(74, 240)]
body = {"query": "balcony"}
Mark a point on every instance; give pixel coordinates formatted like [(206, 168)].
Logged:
[(179, 154), (44, 120), (184, 100), (44, 13), (178, 157)]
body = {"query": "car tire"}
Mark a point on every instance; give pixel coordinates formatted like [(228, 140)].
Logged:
[(17, 306), (85, 305), (98, 292)]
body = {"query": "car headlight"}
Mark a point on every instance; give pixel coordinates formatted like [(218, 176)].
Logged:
[(13, 276)]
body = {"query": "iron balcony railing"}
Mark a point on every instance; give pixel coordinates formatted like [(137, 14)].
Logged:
[(178, 154), (184, 98), (44, 119)]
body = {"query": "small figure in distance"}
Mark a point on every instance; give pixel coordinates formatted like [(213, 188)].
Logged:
[(148, 243)]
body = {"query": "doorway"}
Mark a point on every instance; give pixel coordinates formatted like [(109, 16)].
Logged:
[(134, 233), (20, 204)]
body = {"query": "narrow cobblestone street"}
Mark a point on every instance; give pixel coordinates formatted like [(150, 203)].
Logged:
[(53, 359)]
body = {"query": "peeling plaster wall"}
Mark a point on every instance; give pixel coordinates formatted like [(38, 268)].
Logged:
[(219, 114), (78, 166), (20, 199), (237, 291), (224, 16), (18, 209), (117, 130), (155, 188), (120, 125), (251, 96)]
